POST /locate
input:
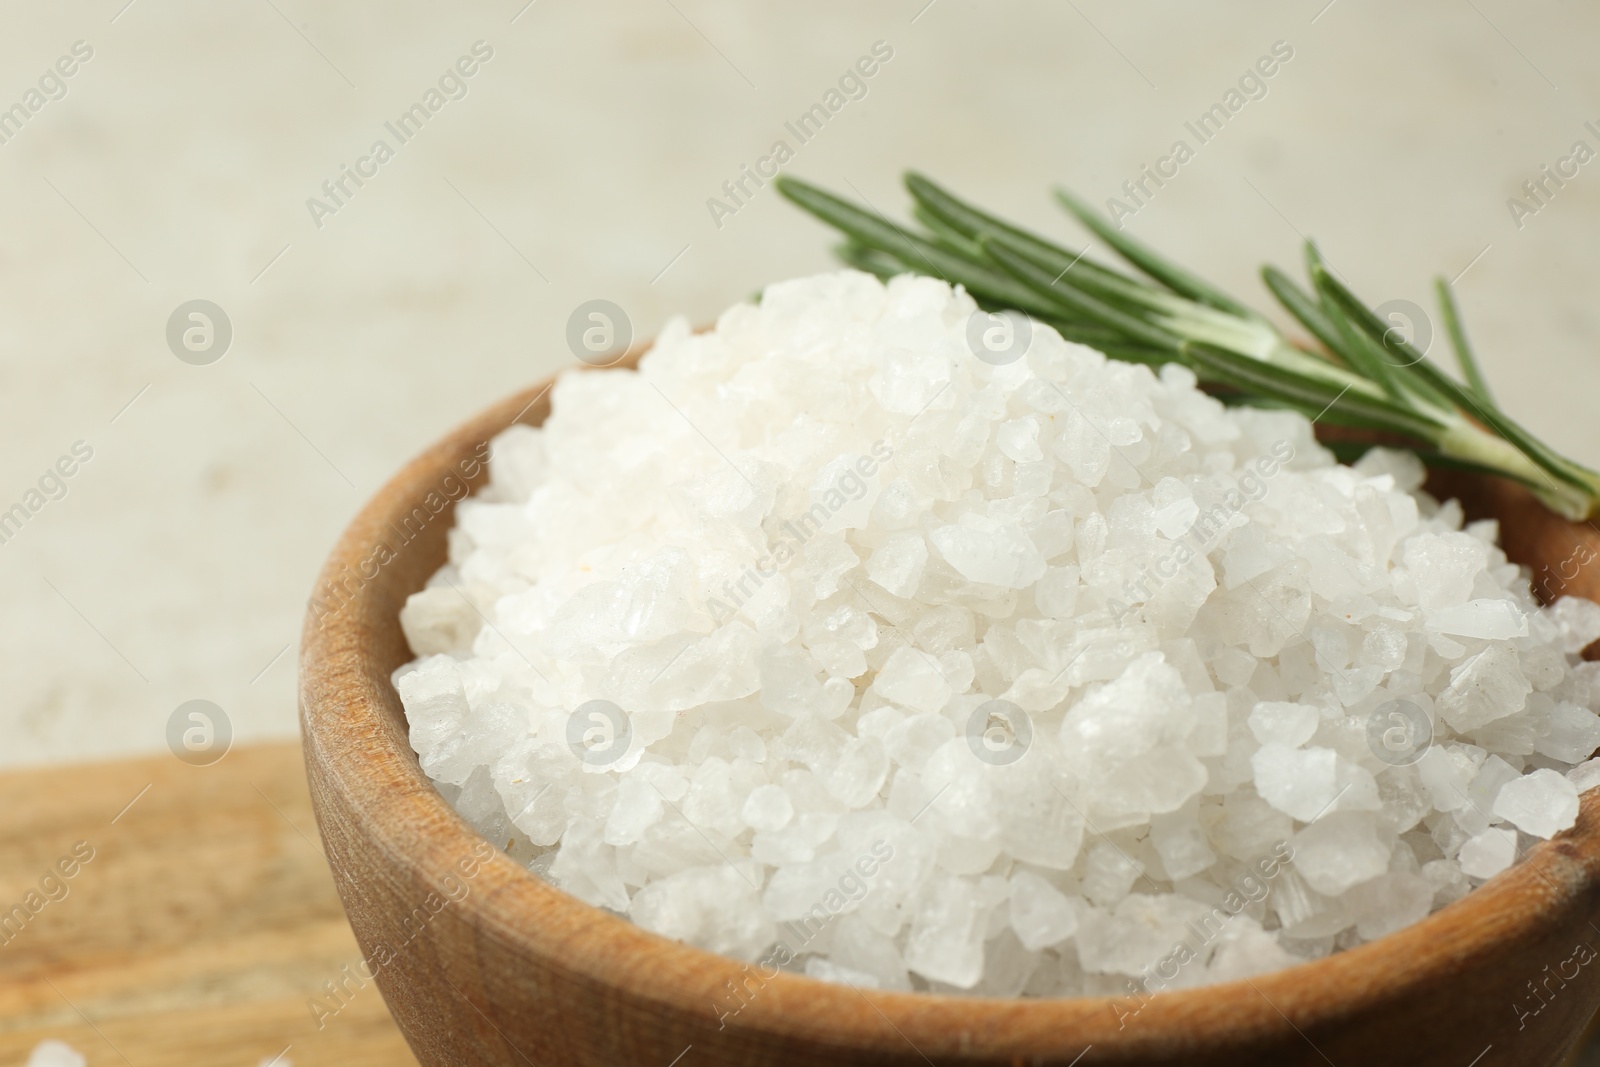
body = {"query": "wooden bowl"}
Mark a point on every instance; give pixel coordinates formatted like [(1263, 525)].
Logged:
[(483, 963)]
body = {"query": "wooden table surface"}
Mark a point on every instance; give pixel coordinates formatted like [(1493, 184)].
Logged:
[(201, 932), (197, 935)]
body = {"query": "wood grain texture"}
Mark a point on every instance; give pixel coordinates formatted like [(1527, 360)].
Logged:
[(199, 932), (517, 972)]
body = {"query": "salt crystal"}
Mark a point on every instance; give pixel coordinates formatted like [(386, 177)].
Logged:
[(997, 554), (1472, 815), (1175, 508), (1249, 826), (1283, 723), (1109, 873), (1040, 913), (440, 619), (1298, 782), (1244, 950), (1442, 566), (1579, 621), (480, 803), (1488, 853), (1303, 913), (1542, 803), (908, 380), (859, 772), (1488, 619), (913, 679), (1544, 665), (53, 1053), (1585, 776), (434, 698), (768, 808), (866, 951), (1051, 533), (910, 743), (1390, 902), (638, 807), (1008, 966), (828, 971), (813, 741), (747, 744), (897, 563), (1573, 734), (961, 791), (1182, 844), (1447, 770), (715, 796), (1138, 933), (1447, 880), (1487, 687), (1234, 666), (1056, 593), (1385, 647), (1019, 439), (945, 942), (1121, 737), (1210, 734), (711, 906), (1338, 851), (796, 841)]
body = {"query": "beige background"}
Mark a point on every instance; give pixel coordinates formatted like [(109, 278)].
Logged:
[(178, 166)]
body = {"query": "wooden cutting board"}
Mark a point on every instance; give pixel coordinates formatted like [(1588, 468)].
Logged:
[(197, 935)]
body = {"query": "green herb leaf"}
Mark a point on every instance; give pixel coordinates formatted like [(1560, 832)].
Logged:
[(1369, 377), (1458, 340), (1169, 274), (1322, 400)]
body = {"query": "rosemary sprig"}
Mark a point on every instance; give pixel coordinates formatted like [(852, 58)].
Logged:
[(1360, 373)]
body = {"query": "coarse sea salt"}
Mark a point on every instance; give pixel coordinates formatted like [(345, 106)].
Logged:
[(53, 1053), (822, 642)]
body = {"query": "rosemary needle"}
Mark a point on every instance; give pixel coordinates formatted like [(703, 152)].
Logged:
[(1359, 374)]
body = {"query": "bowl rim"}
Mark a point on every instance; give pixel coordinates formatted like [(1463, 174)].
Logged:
[(348, 720)]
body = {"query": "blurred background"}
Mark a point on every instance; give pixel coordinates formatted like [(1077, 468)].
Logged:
[(578, 165)]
